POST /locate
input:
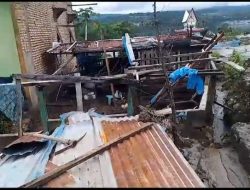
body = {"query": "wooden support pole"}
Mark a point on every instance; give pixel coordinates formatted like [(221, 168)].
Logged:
[(78, 86), (63, 168), (179, 58), (43, 109), (19, 105), (132, 100), (109, 73), (107, 66)]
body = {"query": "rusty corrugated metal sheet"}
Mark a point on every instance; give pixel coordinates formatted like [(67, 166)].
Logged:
[(25, 139), (149, 159), (95, 172), (113, 44)]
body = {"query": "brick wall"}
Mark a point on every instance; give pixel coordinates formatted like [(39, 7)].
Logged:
[(37, 29)]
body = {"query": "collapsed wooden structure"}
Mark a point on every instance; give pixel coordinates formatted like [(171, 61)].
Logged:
[(136, 77), (139, 77)]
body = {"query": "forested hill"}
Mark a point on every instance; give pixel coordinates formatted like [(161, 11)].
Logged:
[(210, 18)]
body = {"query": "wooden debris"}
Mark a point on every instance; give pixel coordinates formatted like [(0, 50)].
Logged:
[(60, 140)]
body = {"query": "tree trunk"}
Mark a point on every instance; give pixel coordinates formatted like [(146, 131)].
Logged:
[(86, 30)]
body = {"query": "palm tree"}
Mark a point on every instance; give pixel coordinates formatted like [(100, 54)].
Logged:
[(84, 16)]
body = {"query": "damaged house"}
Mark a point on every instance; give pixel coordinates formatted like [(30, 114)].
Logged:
[(29, 29), (99, 102)]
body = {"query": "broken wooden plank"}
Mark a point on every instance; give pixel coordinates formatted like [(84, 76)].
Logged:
[(54, 120), (73, 79), (63, 168), (169, 64), (213, 65), (63, 65), (33, 83), (82, 4), (211, 41), (60, 140), (70, 47), (235, 66), (214, 42), (226, 107), (175, 56), (72, 145)]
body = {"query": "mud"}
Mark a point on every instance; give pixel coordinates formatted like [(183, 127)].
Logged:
[(212, 153)]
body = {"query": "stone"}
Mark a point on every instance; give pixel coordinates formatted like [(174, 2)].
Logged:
[(241, 134)]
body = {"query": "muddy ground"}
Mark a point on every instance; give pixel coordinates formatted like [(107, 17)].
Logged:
[(213, 154)]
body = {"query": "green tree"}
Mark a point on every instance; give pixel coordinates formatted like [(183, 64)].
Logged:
[(84, 16)]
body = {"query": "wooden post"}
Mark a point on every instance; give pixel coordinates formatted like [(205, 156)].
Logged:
[(19, 105), (43, 109), (78, 86), (178, 58), (107, 66), (133, 100)]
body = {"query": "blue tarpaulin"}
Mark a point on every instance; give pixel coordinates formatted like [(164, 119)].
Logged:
[(194, 80), (128, 47), (18, 168)]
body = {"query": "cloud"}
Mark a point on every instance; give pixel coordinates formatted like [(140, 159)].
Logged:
[(134, 7)]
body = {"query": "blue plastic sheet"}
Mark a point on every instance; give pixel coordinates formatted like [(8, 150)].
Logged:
[(16, 170), (194, 80)]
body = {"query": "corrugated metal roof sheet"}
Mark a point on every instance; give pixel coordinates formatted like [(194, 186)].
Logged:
[(142, 42), (149, 159), (95, 172), (22, 165)]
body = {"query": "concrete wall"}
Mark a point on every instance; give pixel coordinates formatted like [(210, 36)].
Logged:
[(9, 61)]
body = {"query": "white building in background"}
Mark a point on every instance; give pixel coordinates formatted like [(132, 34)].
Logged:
[(189, 19)]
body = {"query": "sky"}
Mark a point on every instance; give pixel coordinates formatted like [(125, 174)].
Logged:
[(135, 7)]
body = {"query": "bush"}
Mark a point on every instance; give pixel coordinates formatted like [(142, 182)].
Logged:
[(233, 76), (216, 54)]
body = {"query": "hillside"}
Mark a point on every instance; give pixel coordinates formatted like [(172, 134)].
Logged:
[(210, 18)]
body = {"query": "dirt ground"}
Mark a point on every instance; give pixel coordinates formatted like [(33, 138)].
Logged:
[(212, 154)]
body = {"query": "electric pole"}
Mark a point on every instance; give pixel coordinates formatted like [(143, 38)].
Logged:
[(167, 83)]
